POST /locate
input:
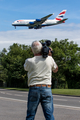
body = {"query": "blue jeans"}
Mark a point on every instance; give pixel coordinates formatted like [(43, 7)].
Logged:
[(41, 95)]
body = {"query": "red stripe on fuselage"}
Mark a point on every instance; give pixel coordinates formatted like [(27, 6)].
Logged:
[(20, 20)]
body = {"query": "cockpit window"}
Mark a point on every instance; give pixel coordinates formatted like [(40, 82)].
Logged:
[(19, 20)]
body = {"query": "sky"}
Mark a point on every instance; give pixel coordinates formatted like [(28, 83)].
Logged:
[(11, 10)]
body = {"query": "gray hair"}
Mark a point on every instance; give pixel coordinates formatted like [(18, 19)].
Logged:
[(36, 47)]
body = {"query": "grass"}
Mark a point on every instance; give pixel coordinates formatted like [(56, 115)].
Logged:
[(72, 92), (20, 89)]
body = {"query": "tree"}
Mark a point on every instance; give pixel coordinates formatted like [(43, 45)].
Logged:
[(13, 62), (3, 71), (67, 56), (3, 75)]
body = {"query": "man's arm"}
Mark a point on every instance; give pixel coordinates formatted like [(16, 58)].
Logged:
[(50, 54), (25, 65), (56, 70)]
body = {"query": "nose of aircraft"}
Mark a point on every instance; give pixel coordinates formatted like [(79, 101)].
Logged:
[(13, 23)]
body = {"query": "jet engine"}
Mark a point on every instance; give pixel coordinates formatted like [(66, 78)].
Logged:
[(37, 27), (38, 20), (31, 23), (30, 27)]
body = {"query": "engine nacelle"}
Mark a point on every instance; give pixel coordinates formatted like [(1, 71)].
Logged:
[(31, 23), (38, 20), (37, 27), (30, 27)]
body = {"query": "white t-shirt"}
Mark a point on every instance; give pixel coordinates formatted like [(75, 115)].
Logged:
[(39, 70)]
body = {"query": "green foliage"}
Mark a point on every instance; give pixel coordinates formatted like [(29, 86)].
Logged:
[(13, 61), (3, 73), (66, 54), (67, 57)]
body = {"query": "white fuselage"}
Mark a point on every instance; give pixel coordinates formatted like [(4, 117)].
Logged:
[(26, 22)]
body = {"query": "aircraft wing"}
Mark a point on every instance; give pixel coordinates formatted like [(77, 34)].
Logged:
[(45, 18), (61, 21), (38, 22)]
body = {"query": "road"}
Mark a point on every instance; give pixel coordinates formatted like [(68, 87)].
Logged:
[(13, 106)]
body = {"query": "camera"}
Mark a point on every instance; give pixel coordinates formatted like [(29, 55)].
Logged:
[(45, 49)]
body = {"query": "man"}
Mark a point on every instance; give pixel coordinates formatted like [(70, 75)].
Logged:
[(39, 82)]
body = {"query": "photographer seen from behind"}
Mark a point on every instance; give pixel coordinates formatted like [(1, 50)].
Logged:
[(39, 82)]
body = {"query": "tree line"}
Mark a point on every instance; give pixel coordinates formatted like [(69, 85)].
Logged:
[(65, 53)]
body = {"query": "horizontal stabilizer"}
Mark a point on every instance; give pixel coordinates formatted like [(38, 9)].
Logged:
[(62, 21)]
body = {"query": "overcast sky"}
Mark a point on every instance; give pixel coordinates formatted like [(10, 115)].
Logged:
[(32, 9)]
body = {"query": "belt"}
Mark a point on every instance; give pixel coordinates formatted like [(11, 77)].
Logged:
[(40, 86)]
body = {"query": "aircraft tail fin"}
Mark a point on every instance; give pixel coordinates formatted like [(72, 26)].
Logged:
[(61, 15)]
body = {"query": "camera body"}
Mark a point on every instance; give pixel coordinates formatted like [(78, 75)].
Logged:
[(45, 49)]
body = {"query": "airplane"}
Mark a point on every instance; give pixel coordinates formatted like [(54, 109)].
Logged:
[(42, 22)]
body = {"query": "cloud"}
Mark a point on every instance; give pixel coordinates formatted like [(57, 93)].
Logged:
[(26, 37)]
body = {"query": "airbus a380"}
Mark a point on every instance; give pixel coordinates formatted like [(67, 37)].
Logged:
[(42, 22)]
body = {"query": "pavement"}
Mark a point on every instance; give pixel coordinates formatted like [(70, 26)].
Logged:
[(13, 106)]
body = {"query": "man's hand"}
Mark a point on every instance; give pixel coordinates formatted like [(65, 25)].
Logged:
[(55, 71)]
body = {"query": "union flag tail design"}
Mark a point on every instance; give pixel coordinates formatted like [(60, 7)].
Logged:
[(61, 15)]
